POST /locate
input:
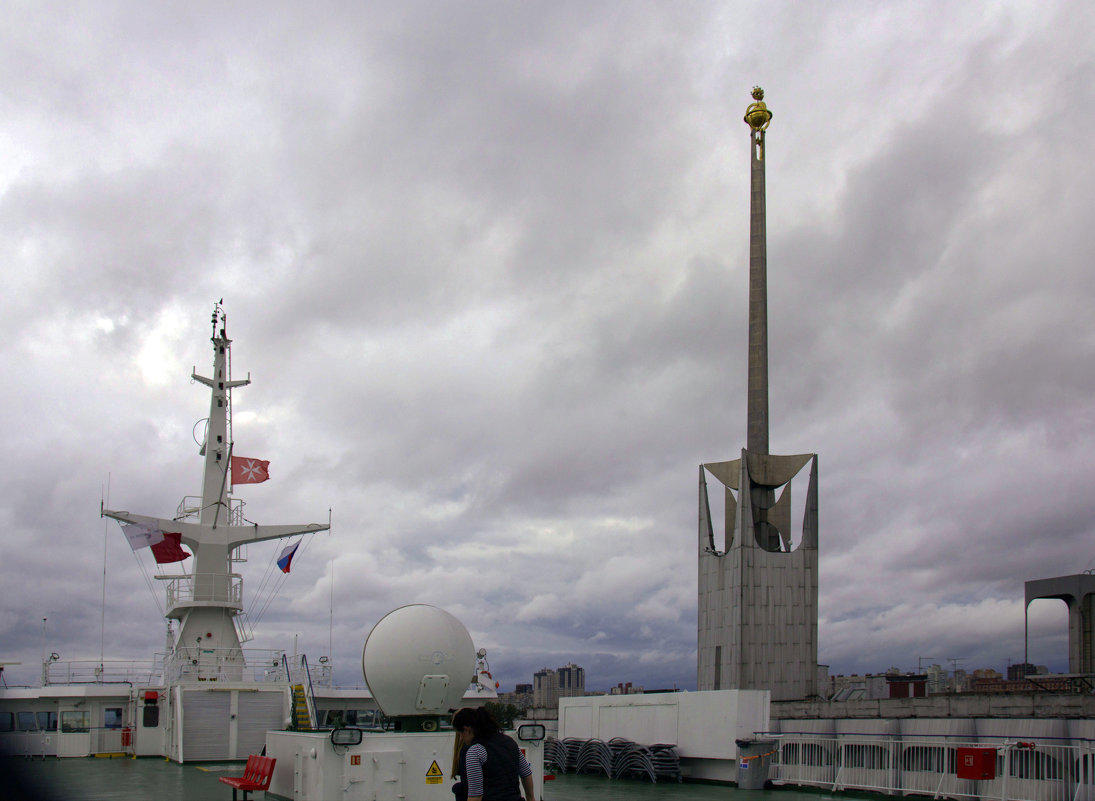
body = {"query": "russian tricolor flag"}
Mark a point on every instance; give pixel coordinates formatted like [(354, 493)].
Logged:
[(286, 558)]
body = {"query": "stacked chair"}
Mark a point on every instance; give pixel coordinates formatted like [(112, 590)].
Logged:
[(619, 758)]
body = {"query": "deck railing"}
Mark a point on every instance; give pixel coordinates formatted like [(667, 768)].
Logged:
[(209, 589), (92, 671), (893, 764), (224, 664)]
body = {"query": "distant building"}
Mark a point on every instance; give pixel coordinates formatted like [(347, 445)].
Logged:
[(891, 684), (961, 681), (572, 681), (847, 688), (937, 680), (545, 688), (1020, 670), (520, 697), (908, 685), (1040, 683), (625, 689), (548, 685)]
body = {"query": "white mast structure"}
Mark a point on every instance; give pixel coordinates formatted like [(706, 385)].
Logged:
[(208, 600)]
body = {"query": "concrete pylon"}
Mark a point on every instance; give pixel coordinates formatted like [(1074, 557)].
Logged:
[(1078, 593), (757, 626)]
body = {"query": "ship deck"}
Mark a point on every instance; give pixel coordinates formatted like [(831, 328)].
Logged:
[(127, 779)]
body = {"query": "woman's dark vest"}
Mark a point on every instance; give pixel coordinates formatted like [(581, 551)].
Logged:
[(501, 772)]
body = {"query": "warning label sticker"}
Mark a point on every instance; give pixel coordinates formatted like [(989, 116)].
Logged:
[(434, 774)]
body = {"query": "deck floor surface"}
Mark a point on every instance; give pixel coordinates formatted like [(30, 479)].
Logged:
[(157, 779)]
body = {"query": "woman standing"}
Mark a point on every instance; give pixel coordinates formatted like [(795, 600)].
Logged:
[(493, 766)]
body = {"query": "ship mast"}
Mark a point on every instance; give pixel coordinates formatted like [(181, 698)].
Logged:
[(208, 600), (218, 446)]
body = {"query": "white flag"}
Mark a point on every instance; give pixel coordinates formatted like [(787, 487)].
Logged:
[(141, 536)]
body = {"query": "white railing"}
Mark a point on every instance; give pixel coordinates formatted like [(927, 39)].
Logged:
[(224, 664), (204, 588), (185, 664), (92, 671), (190, 508), (895, 764)]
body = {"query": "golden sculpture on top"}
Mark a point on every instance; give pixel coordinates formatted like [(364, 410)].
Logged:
[(757, 115)]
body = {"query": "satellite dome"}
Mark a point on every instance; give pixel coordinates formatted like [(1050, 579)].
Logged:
[(418, 660)]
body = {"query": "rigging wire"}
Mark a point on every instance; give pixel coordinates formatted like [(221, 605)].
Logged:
[(102, 607), (260, 591), (275, 588), (280, 579), (331, 617), (147, 579)]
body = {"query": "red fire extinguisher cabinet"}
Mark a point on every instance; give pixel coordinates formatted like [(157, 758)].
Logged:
[(977, 763)]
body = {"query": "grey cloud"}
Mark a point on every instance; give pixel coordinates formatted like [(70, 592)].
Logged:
[(486, 266)]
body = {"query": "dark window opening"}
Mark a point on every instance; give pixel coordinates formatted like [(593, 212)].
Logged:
[(151, 717)]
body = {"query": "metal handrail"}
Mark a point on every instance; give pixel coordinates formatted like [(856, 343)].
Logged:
[(94, 671), (183, 588), (1059, 770)]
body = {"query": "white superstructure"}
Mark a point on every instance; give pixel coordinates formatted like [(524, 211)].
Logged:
[(205, 697)]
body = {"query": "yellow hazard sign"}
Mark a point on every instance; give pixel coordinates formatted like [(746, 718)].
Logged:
[(434, 774)]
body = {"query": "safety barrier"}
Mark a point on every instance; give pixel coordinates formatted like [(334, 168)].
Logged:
[(892, 764)]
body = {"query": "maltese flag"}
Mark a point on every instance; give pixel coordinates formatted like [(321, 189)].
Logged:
[(249, 471), (141, 536), (285, 560), (170, 550)]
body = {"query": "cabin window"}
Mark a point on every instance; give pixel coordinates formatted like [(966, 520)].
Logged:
[(47, 721), (150, 718), (112, 717), (6, 721), (74, 721), (335, 718), (26, 721)]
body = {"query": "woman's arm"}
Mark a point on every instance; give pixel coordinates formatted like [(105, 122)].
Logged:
[(530, 788), (473, 763)]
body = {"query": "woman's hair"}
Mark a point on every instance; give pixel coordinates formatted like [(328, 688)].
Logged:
[(457, 748), (480, 720)]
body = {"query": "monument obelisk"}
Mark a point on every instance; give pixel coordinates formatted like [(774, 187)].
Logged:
[(758, 118), (757, 610)]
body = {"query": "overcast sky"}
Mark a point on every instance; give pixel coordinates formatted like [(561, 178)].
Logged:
[(486, 265)]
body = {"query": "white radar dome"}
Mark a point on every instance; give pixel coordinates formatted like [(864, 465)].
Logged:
[(418, 660)]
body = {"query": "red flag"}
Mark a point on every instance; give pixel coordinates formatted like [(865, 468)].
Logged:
[(249, 471), (170, 550)]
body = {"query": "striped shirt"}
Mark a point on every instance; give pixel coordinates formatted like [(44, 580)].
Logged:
[(475, 759)]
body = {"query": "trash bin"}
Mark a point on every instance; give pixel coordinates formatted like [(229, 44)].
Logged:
[(754, 758)]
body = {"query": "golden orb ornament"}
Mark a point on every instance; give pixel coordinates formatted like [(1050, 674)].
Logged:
[(757, 115)]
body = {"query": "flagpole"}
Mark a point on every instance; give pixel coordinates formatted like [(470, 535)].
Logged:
[(331, 619), (102, 608), (224, 482)]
